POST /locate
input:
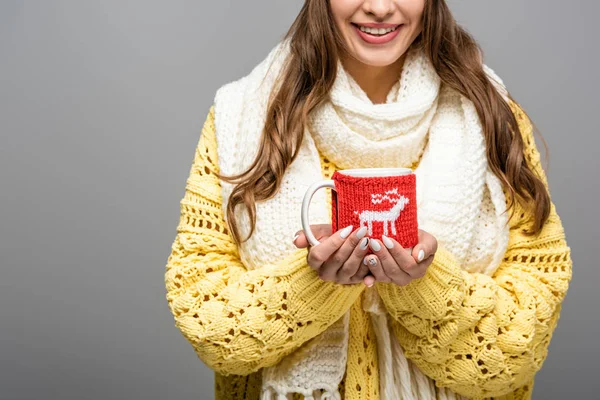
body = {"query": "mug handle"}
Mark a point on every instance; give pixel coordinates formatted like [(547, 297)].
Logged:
[(305, 205)]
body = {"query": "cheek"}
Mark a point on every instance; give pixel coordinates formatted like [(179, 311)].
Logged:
[(343, 10), (337, 8), (414, 10), (413, 13)]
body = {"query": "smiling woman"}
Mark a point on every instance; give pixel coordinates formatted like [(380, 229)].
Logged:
[(470, 312)]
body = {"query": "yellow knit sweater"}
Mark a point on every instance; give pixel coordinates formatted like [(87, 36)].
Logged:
[(480, 336)]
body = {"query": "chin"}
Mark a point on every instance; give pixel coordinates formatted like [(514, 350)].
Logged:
[(382, 60)]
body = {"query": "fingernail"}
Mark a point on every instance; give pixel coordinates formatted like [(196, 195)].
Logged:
[(375, 245), (364, 243), (372, 261), (365, 260), (345, 232), (295, 237), (361, 232), (387, 241), (421, 255), (371, 284)]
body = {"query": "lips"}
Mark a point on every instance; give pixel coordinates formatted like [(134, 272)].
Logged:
[(375, 25), (377, 39)]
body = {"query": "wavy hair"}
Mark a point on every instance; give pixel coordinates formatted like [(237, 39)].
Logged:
[(308, 75)]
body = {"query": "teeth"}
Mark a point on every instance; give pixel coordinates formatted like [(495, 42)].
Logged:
[(376, 31)]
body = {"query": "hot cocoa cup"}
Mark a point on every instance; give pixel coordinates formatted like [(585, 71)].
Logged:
[(382, 199)]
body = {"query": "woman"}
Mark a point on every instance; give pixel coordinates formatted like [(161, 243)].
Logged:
[(467, 313)]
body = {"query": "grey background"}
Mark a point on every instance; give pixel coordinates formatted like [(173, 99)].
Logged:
[(101, 105)]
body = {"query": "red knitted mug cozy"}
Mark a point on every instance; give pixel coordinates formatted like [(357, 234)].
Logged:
[(385, 205)]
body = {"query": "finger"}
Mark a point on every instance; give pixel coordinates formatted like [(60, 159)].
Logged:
[(344, 263), (389, 265), (300, 240), (399, 253), (349, 250), (369, 280), (319, 230), (321, 253), (361, 272), (372, 262), (352, 256), (421, 268), (361, 275), (426, 247), (404, 258)]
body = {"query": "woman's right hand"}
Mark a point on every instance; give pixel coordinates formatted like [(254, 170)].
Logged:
[(338, 257)]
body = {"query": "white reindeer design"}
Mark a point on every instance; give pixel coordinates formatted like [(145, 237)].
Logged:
[(387, 217)]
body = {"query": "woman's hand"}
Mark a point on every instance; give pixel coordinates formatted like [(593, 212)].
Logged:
[(339, 257), (393, 263)]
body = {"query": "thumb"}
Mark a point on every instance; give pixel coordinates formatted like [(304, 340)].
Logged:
[(418, 252), (427, 246)]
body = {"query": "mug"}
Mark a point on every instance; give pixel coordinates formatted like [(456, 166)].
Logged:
[(382, 199)]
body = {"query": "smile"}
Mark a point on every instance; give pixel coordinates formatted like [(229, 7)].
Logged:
[(378, 33)]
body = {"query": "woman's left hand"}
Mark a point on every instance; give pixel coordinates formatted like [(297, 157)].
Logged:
[(390, 262)]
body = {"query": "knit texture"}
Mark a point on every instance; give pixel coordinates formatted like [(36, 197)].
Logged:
[(385, 205), (459, 199), (477, 335)]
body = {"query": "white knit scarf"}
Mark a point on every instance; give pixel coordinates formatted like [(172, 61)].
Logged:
[(460, 201)]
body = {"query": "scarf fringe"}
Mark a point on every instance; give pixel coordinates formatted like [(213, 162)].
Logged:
[(384, 349), (425, 387), (321, 394), (402, 373)]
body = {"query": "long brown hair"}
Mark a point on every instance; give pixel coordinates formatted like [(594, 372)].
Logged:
[(309, 73)]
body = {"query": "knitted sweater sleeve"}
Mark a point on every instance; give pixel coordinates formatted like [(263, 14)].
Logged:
[(485, 336), (240, 320)]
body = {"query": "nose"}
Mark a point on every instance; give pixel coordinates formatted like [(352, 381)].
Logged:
[(378, 8)]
